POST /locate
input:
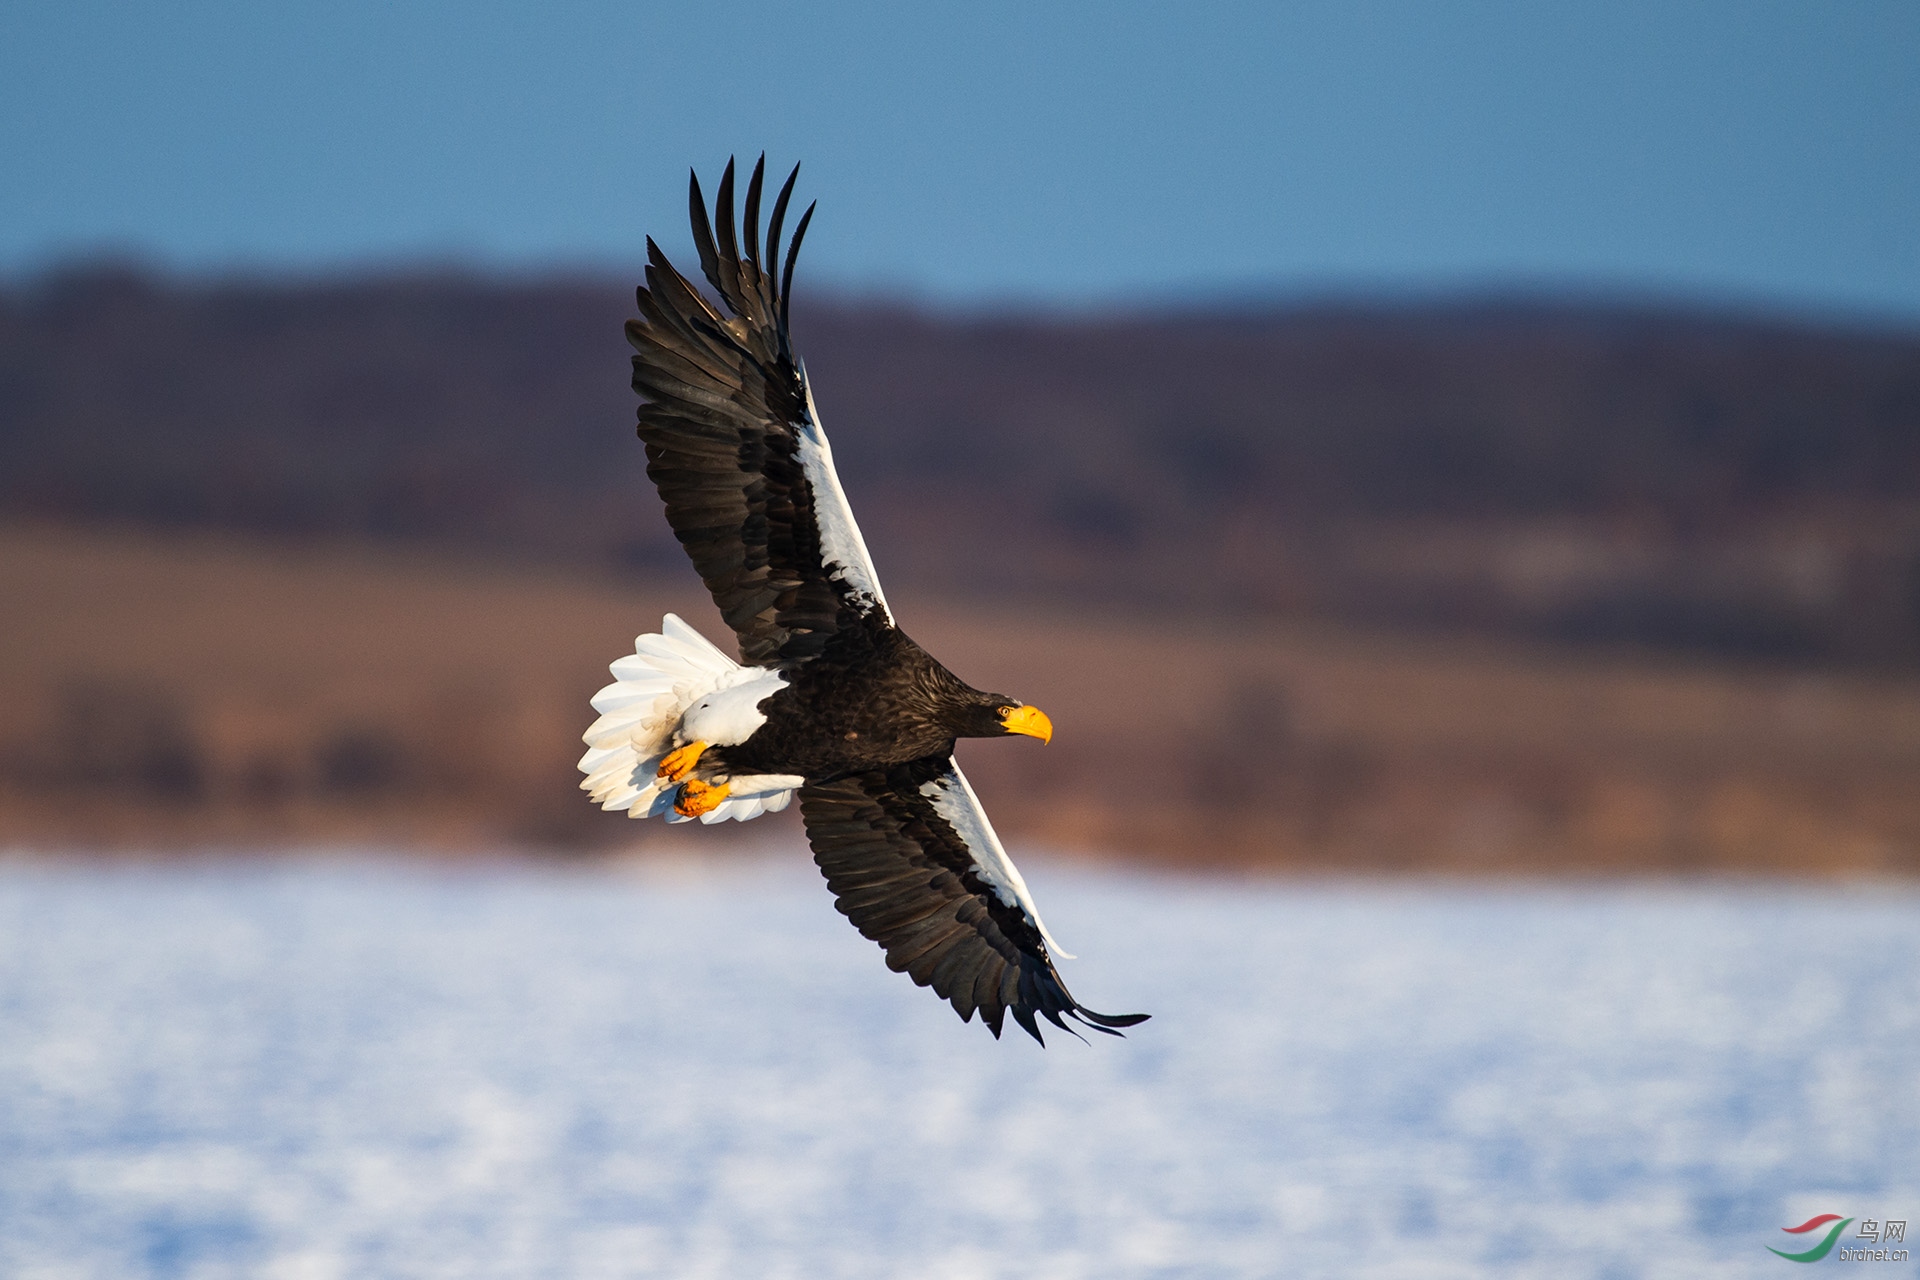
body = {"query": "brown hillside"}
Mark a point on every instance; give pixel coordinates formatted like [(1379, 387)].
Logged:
[(192, 690)]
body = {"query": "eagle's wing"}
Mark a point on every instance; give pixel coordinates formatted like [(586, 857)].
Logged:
[(914, 863), (735, 446)]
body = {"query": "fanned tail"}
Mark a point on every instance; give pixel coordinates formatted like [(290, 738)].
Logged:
[(667, 672)]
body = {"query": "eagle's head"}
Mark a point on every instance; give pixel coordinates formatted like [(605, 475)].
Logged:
[(995, 715)]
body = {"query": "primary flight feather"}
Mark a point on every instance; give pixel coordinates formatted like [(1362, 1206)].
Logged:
[(829, 698)]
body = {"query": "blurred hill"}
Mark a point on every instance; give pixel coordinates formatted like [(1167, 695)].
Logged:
[(1475, 587), (1586, 474), (175, 690)]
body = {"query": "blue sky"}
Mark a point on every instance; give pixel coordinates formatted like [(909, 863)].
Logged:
[(1065, 154)]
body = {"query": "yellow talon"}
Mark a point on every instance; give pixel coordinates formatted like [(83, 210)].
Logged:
[(697, 798), (679, 763)]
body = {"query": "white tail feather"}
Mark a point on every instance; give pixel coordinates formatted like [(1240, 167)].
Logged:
[(640, 714)]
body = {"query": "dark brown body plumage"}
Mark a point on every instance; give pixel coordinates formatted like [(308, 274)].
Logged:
[(880, 700)]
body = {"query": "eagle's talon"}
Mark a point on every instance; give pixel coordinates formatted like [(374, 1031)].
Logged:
[(679, 762), (697, 798)]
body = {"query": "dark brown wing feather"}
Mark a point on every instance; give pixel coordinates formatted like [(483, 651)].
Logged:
[(909, 882), (724, 401)]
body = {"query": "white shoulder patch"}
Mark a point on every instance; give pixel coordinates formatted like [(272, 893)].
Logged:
[(953, 799), (731, 712), (840, 540)]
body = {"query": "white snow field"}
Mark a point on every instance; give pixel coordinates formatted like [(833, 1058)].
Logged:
[(368, 1069)]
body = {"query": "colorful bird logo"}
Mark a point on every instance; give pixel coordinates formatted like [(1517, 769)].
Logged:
[(1814, 1223)]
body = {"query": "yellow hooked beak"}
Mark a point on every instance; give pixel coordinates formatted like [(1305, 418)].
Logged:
[(1031, 721)]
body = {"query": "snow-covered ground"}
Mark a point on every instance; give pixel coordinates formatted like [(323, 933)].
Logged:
[(379, 1069)]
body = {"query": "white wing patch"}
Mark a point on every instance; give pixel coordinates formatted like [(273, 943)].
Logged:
[(954, 800), (674, 681), (840, 541)]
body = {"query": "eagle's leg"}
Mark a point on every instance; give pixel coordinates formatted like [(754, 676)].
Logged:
[(679, 762), (697, 797)]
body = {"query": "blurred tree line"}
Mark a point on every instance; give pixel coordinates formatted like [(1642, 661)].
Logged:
[(1586, 473)]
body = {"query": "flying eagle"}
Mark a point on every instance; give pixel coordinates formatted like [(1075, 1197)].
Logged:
[(830, 698)]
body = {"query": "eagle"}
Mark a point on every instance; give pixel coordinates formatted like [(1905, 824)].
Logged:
[(830, 699)]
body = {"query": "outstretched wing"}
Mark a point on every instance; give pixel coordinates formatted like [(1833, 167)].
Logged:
[(734, 443), (914, 863)]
